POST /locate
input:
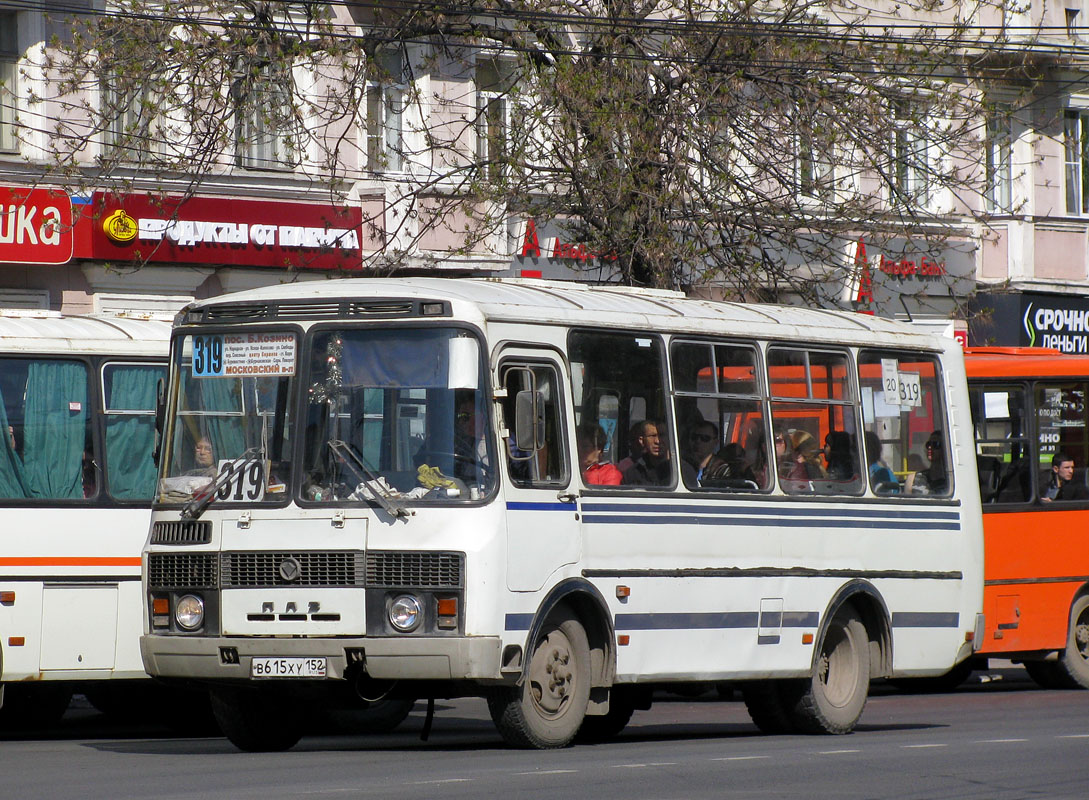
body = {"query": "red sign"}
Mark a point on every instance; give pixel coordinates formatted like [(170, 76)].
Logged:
[(35, 226), (214, 230)]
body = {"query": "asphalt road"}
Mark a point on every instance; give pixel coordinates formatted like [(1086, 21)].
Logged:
[(998, 738)]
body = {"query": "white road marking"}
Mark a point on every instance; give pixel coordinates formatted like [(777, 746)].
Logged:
[(835, 752), (739, 758), (549, 772), (1074, 736), (1000, 741), (921, 746), (648, 764), (443, 780)]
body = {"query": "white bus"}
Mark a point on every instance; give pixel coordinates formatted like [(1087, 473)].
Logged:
[(77, 431), (558, 497)]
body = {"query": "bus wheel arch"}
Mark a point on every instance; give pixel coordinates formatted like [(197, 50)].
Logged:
[(568, 654), (582, 599), (853, 646), (870, 606), (1072, 668)]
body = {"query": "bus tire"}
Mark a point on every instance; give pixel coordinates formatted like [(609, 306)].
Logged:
[(548, 709), (1074, 660), (608, 726), (256, 721), (766, 706), (832, 699)]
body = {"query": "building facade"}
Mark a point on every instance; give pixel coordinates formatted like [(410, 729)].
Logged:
[(271, 211)]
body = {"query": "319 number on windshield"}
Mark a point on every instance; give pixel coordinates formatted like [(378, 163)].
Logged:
[(207, 356), (242, 482)]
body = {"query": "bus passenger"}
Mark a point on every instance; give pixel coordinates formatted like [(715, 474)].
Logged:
[(595, 472), (882, 479), (702, 441), (935, 478), (839, 453), (634, 451), (651, 468), (1062, 485), (203, 459), (801, 466)]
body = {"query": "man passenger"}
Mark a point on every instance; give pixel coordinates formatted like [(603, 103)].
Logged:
[(651, 468), (1062, 485)]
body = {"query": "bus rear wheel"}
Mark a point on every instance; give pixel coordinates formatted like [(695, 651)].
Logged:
[(832, 699), (548, 709), (257, 721), (1071, 671)]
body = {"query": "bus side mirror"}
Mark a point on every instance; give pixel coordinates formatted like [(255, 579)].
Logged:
[(529, 421), (160, 418)]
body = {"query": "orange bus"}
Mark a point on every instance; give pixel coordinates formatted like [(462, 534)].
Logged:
[(1029, 405)]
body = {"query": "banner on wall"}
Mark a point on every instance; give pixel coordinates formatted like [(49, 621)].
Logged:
[(221, 231), (35, 226)]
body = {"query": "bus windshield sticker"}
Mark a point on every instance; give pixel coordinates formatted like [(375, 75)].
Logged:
[(890, 381), (244, 355)]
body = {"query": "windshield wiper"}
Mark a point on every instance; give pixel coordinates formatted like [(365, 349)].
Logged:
[(195, 507), (349, 458)]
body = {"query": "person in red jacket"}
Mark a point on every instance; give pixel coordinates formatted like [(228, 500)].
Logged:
[(596, 472)]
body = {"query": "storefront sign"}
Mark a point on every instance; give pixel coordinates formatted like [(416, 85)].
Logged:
[(212, 230), (35, 226), (1055, 321)]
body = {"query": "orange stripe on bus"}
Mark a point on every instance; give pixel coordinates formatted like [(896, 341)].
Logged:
[(69, 561)]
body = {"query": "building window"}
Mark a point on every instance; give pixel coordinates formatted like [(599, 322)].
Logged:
[(9, 72), (814, 170), (912, 169), (999, 146), (385, 110), (265, 129), (493, 120), (1076, 149), (129, 130)]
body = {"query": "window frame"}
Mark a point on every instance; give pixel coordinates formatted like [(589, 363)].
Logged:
[(9, 80)]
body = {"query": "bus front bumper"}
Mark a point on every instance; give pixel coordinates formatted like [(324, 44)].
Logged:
[(223, 658)]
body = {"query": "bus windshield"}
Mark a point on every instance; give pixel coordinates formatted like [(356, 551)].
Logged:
[(231, 432), (396, 414)]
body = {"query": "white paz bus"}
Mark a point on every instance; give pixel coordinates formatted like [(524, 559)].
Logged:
[(558, 497), (77, 430)]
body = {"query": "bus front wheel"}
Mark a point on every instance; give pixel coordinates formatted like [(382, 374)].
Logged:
[(548, 709), (832, 699), (257, 721)]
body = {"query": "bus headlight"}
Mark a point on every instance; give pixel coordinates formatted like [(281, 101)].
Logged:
[(405, 613), (189, 612)]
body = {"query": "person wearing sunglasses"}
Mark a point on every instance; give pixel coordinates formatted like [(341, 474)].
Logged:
[(935, 478), (700, 446)]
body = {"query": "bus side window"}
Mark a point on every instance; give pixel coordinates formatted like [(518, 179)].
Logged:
[(547, 465), (628, 367)]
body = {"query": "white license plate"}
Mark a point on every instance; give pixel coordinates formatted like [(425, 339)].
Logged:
[(268, 667)]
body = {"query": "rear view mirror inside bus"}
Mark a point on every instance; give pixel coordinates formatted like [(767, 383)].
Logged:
[(529, 424)]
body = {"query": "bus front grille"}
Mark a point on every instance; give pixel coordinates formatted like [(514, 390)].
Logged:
[(182, 570), (268, 569), (185, 531), (405, 569)]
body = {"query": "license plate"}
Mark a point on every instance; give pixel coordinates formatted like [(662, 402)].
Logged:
[(268, 667)]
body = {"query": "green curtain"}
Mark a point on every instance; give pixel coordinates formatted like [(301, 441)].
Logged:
[(225, 433), (12, 480), (55, 429), (131, 438)]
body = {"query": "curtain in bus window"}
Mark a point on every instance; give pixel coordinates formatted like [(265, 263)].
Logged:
[(410, 359), (223, 431), (55, 430), (130, 438), (12, 480)]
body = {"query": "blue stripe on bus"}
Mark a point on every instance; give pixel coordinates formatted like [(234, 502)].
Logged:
[(518, 506), (734, 620), (876, 522), (782, 511), (925, 619)]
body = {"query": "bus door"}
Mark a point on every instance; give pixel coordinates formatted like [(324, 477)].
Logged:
[(541, 507)]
